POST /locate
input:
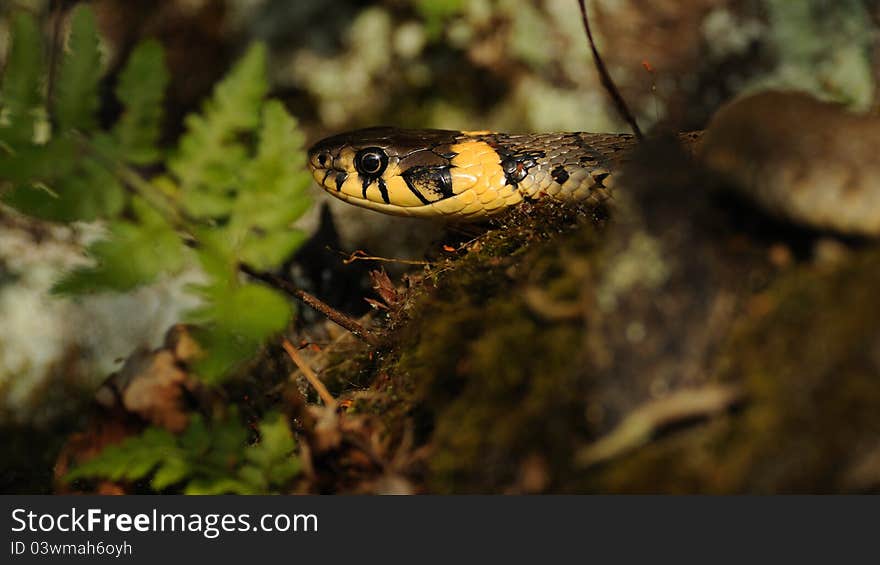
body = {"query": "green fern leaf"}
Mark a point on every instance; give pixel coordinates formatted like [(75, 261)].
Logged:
[(204, 459), (133, 254), (273, 194), (21, 90), (171, 471), (235, 318), (141, 90), (39, 164), (209, 158), (130, 460), (76, 102), (87, 193), (236, 322), (265, 251), (272, 461)]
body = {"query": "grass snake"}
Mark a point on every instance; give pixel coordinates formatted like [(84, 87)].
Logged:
[(811, 162)]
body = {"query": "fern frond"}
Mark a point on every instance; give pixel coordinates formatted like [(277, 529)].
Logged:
[(76, 99), (273, 194), (235, 319), (209, 158), (133, 253), (141, 90), (21, 92), (205, 459), (62, 189)]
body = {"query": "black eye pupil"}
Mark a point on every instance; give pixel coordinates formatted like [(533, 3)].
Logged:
[(371, 161)]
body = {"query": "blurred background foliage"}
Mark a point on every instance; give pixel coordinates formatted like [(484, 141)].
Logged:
[(502, 64)]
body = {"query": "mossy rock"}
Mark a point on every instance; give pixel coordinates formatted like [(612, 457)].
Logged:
[(513, 361)]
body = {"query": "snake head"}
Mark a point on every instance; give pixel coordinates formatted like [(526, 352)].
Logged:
[(423, 173), (351, 160)]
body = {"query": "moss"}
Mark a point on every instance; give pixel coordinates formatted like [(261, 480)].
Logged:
[(348, 368), (487, 379), (521, 396), (809, 360), (496, 379), (812, 367), (547, 333)]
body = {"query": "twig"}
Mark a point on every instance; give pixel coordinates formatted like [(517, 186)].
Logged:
[(362, 256), (310, 375), (331, 313), (639, 426), (605, 76)]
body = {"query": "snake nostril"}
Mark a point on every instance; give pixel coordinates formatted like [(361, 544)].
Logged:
[(323, 158)]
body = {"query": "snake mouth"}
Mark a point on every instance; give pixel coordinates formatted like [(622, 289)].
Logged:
[(330, 179), (333, 180)]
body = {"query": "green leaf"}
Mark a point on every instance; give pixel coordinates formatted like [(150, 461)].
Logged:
[(276, 442), (265, 251), (436, 12), (228, 435), (132, 459), (238, 168), (209, 157), (141, 90), (209, 205), (440, 9), (253, 311), (171, 472), (197, 437), (235, 322), (273, 194), (235, 318), (225, 351), (276, 172), (273, 456), (219, 486), (133, 254), (22, 81), (213, 459), (76, 100), (32, 164), (255, 478), (85, 194)]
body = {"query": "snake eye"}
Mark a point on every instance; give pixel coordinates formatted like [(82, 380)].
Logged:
[(371, 161)]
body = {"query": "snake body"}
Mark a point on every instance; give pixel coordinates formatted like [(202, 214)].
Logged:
[(809, 161)]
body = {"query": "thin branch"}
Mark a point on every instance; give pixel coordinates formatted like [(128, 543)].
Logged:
[(638, 427), (331, 313), (310, 375), (605, 76), (362, 256)]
